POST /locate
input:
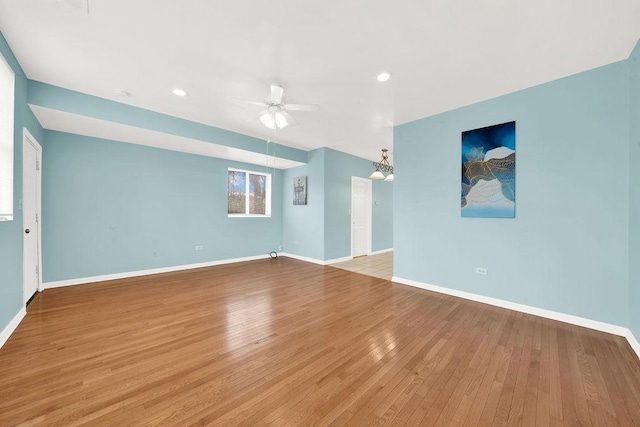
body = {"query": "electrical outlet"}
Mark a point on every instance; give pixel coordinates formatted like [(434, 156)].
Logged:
[(279, 248), (198, 248), (481, 271)]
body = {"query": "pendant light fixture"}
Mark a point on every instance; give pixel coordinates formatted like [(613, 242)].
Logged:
[(383, 166)]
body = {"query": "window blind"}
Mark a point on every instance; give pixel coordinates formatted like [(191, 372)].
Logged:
[(7, 87)]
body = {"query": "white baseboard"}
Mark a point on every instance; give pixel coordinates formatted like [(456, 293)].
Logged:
[(314, 260), (382, 251), (337, 260), (633, 342), (13, 324), (554, 315), (301, 258), (125, 275), (329, 261)]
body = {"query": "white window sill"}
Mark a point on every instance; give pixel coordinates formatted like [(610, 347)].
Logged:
[(247, 216)]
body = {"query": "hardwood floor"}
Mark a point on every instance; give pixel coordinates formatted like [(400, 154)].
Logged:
[(290, 343)]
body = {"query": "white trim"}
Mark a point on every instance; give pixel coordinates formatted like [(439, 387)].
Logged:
[(267, 208), (314, 260), (301, 258), (125, 275), (336, 260), (13, 324), (382, 251), (633, 342), (7, 140), (368, 214), (554, 315), (27, 138)]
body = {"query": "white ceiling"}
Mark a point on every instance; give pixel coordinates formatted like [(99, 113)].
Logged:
[(442, 54)]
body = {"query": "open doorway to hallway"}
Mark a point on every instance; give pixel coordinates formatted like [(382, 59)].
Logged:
[(378, 265)]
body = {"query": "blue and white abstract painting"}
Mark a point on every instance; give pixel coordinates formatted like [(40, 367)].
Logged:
[(489, 172)]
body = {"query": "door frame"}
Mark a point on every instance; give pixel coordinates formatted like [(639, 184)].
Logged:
[(27, 138), (368, 214)]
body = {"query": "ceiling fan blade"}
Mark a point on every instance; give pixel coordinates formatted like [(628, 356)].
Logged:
[(247, 101), (301, 107), (276, 94), (257, 116), (289, 118)]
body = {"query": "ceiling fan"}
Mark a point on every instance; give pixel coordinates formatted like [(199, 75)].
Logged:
[(276, 115)]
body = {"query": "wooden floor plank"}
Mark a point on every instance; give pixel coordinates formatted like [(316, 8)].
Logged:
[(543, 409), (496, 393), (530, 407), (284, 342)]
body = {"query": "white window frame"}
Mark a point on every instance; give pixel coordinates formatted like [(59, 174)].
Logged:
[(7, 145), (267, 208)]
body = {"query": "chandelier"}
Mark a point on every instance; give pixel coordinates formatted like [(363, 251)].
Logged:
[(383, 166)]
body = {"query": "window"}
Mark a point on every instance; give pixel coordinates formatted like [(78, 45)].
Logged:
[(248, 193), (7, 86)]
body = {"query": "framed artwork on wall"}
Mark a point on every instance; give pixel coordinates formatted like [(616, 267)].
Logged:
[(300, 190), (489, 172)]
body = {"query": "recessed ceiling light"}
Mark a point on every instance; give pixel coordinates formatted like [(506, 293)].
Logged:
[(122, 92), (383, 77), (179, 92)]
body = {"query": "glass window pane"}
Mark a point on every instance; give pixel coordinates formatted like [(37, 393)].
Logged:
[(236, 192), (257, 194)]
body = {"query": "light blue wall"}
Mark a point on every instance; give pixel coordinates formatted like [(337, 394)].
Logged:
[(339, 168), (108, 206), (323, 227), (567, 248), (57, 98), (11, 231), (634, 191), (304, 224)]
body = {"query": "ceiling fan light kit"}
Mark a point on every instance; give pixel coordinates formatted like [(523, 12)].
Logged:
[(383, 166), (276, 115), (274, 120)]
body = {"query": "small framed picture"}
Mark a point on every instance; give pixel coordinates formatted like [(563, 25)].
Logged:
[(300, 190)]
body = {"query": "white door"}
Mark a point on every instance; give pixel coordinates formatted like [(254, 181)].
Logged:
[(360, 216), (30, 215)]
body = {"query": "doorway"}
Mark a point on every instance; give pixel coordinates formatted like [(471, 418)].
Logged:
[(31, 208), (360, 216)]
